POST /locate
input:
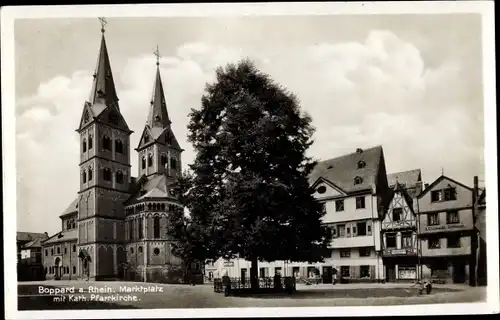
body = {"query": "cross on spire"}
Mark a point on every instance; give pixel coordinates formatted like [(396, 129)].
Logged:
[(103, 22), (157, 54)]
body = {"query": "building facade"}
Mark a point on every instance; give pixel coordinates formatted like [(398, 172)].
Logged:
[(480, 224), (29, 256), (116, 227), (446, 231)]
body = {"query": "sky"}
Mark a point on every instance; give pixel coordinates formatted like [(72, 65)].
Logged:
[(411, 83)]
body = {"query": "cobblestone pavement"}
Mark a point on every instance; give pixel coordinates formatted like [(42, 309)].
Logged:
[(202, 296)]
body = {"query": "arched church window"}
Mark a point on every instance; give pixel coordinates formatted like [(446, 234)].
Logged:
[(90, 142), (150, 160), (84, 145), (163, 159), (173, 163), (144, 162), (119, 177), (156, 227), (361, 164), (162, 207), (118, 146), (106, 174), (106, 143), (141, 235), (130, 230), (84, 176), (150, 206), (90, 173), (74, 248), (154, 206)]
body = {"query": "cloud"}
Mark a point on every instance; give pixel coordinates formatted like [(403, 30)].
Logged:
[(359, 94)]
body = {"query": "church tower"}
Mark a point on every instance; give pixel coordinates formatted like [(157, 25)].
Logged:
[(104, 175), (158, 150)]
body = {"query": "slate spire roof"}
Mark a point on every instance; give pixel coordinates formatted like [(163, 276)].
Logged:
[(103, 86), (158, 115)]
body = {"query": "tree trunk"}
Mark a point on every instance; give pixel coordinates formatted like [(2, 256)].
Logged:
[(254, 279)]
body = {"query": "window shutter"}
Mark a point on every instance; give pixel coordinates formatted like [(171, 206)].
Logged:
[(352, 271), (372, 272)]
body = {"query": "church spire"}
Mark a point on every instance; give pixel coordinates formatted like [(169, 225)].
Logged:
[(103, 86), (158, 115)]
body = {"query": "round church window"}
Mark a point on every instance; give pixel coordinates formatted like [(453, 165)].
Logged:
[(156, 251), (321, 189)]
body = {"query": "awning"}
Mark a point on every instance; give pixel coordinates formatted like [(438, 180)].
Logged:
[(84, 254)]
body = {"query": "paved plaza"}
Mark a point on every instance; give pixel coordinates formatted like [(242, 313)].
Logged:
[(203, 296)]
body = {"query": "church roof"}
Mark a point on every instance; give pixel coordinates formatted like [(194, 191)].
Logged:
[(342, 171), (72, 208), (158, 118), (30, 236), (151, 187), (406, 178), (103, 91), (62, 236)]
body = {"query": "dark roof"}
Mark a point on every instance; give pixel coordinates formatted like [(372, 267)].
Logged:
[(342, 171), (155, 186), (406, 178), (30, 236), (63, 236), (72, 208), (442, 177), (37, 243)]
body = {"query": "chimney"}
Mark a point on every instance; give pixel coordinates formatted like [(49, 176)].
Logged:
[(45, 233), (476, 186), (359, 150), (426, 186)]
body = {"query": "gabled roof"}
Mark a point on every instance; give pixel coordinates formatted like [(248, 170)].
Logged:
[(439, 179), (30, 236), (63, 236), (37, 243), (72, 208), (398, 188), (155, 186), (407, 178), (342, 171), (158, 115)]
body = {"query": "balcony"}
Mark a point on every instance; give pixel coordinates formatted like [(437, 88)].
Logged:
[(352, 242), (393, 252)]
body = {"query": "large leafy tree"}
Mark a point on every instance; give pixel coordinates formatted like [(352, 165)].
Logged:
[(248, 194)]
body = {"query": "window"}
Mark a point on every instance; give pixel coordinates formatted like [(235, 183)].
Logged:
[(65, 250), (156, 227), (130, 230), (407, 239), (84, 145), (397, 214), (436, 195), (106, 174), (144, 162), (364, 252), (140, 249), (90, 174), (364, 271), (74, 269), (168, 138), (106, 143), (118, 146), (358, 180), (353, 230), (345, 271), (452, 217), (58, 250), (334, 231), (119, 177), (132, 250), (342, 230), (156, 251), (361, 228), (84, 176), (321, 189), (173, 163), (348, 231), (433, 219), (453, 241), (369, 229), (46, 252), (150, 160), (52, 251), (163, 160), (450, 194), (391, 240), (74, 248), (140, 228), (90, 142), (361, 164), (86, 116), (345, 253), (360, 202), (339, 205), (434, 243)]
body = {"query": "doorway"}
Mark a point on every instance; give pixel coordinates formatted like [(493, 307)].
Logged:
[(390, 273), (243, 274), (57, 275), (458, 272), (327, 274)]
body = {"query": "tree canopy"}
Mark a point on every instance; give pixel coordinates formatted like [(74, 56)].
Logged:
[(248, 193)]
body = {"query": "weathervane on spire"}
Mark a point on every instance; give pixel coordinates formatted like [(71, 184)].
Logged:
[(157, 54), (103, 22)]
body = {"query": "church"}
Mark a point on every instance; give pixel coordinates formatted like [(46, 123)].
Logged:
[(115, 228)]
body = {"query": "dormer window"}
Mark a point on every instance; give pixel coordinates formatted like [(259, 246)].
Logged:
[(86, 116), (358, 180), (361, 164), (146, 138)]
